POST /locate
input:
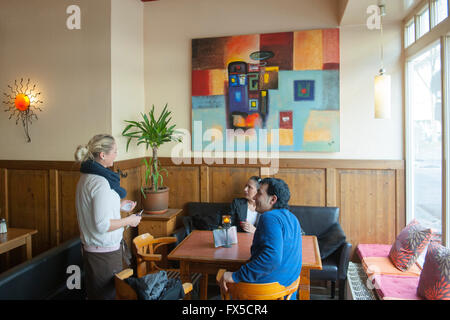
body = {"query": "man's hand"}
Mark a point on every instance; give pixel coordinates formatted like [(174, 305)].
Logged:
[(226, 278)]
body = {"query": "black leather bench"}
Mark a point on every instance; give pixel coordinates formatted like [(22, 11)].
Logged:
[(322, 222), (44, 277)]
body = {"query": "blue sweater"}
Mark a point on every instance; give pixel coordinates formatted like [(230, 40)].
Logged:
[(276, 252)]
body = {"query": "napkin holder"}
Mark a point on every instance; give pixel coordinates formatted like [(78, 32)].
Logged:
[(220, 237)]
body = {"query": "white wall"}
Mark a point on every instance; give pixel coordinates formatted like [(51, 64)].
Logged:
[(71, 68), (127, 71), (363, 136), (170, 25), (91, 79)]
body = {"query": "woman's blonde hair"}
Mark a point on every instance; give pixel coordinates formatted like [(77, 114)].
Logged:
[(91, 151)]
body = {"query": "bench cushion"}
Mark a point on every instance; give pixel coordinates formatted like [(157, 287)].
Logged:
[(373, 250), (391, 287), (382, 265)]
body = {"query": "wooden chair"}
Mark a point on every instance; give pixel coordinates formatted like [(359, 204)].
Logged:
[(145, 246), (257, 291), (125, 292)]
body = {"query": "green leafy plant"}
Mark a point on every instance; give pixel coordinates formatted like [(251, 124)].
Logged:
[(153, 133)]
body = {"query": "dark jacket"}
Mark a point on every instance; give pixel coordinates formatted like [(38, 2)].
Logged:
[(239, 208), (156, 286)]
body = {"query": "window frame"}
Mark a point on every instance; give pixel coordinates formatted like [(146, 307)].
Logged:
[(439, 32)]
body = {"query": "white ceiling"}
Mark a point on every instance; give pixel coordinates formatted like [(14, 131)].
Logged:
[(356, 10)]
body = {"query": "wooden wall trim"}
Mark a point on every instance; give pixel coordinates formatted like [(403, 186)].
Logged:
[(283, 163), (166, 161), (54, 207), (4, 194), (40, 165)]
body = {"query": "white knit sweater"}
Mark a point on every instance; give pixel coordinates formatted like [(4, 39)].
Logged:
[(96, 204)]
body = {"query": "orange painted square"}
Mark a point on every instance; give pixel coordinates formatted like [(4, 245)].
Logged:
[(308, 50)]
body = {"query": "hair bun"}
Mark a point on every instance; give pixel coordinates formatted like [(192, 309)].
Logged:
[(81, 152)]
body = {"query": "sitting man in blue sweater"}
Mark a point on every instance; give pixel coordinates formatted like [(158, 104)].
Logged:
[(276, 252)]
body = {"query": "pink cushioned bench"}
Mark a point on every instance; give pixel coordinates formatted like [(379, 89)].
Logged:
[(389, 282)]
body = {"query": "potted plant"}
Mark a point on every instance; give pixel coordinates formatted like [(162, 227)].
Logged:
[(153, 133)]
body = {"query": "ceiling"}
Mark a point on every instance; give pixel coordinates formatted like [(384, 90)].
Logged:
[(356, 10)]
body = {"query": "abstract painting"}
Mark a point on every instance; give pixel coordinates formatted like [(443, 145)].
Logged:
[(247, 84)]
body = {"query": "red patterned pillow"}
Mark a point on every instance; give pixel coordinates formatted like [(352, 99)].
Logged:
[(409, 244), (434, 282)]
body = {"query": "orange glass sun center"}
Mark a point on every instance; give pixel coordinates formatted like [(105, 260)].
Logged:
[(22, 102)]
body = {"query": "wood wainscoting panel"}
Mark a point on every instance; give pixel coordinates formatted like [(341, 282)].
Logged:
[(68, 222), (369, 193), (227, 183), (307, 186), (367, 205), (28, 205), (131, 181), (184, 184)]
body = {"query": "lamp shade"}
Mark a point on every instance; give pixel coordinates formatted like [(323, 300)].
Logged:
[(383, 96)]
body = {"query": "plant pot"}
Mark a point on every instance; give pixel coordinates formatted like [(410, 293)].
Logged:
[(156, 202)]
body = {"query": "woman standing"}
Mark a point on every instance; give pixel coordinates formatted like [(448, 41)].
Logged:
[(243, 213), (98, 202)]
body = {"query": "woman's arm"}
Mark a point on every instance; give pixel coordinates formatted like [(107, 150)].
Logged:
[(132, 220), (103, 210)]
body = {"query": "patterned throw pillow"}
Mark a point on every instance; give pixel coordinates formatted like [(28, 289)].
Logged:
[(409, 244), (434, 282)]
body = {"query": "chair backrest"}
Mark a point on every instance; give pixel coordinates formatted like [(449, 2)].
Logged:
[(258, 291), (315, 220), (145, 246)]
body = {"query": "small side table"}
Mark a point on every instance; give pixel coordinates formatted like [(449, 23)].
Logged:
[(16, 237), (161, 225)]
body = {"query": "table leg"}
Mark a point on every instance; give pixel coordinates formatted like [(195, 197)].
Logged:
[(303, 288), (29, 247), (204, 287), (185, 276)]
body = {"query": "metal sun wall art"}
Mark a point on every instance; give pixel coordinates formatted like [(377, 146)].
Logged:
[(22, 102), (286, 82)]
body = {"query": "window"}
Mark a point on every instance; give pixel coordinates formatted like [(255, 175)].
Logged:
[(424, 138), (439, 11), (410, 33), (447, 145), (427, 84), (423, 21)]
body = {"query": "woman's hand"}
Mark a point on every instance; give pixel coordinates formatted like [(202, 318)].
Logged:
[(133, 220), (248, 227), (131, 204)]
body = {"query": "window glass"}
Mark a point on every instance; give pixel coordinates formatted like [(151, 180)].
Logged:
[(410, 33), (440, 10), (423, 21), (425, 138)]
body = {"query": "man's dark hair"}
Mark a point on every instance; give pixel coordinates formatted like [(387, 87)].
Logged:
[(279, 188)]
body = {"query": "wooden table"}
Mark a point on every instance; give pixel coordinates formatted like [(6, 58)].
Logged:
[(16, 237), (197, 254), (310, 260), (160, 225)]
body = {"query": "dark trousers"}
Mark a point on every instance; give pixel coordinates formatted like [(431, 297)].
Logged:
[(100, 269)]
